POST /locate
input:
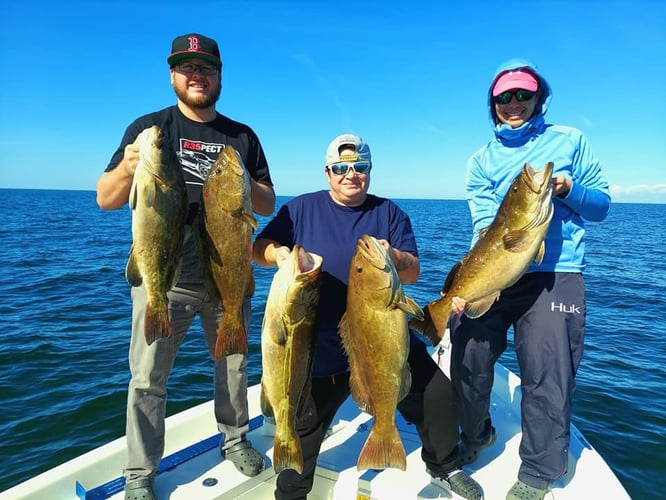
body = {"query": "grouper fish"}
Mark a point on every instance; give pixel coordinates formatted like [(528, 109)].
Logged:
[(376, 339), (287, 349), (226, 237), (158, 200), (500, 256)]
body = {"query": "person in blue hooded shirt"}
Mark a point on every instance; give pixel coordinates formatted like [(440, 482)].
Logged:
[(546, 307)]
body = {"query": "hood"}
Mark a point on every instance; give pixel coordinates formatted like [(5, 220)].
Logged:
[(541, 107)]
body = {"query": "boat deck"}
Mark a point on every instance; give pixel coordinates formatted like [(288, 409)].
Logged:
[(193, 467)]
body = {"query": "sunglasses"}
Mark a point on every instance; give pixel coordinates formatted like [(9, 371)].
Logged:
[(521, 96), (204, 69), (360, 167)]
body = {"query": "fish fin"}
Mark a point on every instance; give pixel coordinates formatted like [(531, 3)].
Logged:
[(343, 331), (250, 219), (427, 326), (405, 383), (265, 404), (132, 196), (357, 388), (451, 277), (382, 452), (278, 335), (538, 258), (481, 306), (287, 451), (408, 306), (156, 324), (231, 337), (360, 393), (150, 193), (132, 273), (517, 241)]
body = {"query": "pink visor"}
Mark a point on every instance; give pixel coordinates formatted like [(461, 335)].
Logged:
[(515, 80)]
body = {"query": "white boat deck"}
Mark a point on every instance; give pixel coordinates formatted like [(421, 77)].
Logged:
[(193, 468)]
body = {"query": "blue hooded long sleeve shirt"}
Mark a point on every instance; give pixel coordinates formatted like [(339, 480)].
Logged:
[(493, 167)]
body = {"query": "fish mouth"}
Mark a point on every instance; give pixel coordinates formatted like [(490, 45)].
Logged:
[(373, 251), (304, 265), (539, 181)]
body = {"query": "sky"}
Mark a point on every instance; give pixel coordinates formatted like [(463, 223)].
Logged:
[(409, 77)]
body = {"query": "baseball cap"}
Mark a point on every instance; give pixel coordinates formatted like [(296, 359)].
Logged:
[(194, 46), (333, 149), (517, 79)]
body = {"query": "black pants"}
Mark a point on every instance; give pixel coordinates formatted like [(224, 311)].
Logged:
[(430, 405), (547, 312)]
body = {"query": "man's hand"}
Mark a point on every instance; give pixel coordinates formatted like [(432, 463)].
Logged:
[(281, 255), (130, 158)]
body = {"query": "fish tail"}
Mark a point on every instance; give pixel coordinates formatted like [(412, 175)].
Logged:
[(156, 324), (231, 337), (287, 452), (426, 326), (382, 452)]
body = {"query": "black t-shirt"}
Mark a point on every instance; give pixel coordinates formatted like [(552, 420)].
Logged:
[(198, 145)]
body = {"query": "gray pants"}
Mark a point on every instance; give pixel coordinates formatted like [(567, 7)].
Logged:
[(150, 367), (547, 312)]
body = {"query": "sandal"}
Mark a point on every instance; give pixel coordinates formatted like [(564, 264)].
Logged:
[(246, 459), (140, 490), (469, 452), (522, 491)]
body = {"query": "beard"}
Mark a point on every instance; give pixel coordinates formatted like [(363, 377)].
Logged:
[(200, 101)]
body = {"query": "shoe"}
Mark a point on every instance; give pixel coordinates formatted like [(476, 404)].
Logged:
[(522, 491), (460, 483), (246, 459), (140, 490), (469, 452)]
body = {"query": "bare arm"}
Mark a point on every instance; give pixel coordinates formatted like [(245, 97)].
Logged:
[(266, 252), (407, 264), (263, 198), (113, 187)]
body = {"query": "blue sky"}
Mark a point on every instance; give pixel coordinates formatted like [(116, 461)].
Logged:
[(409, 77)]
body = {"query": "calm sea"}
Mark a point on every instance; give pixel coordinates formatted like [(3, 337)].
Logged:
[(65, 322)]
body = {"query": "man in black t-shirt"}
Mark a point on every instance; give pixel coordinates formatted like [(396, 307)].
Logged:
[(198, 133)]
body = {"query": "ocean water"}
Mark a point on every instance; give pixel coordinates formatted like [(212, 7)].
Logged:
[(65, 323)]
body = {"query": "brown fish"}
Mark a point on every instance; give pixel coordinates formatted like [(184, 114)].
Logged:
[(375, 336), (227, 226), (287, 348), (501, 255), (158, 200)]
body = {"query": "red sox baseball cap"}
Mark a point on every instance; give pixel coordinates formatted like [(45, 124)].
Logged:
[(194, 46)]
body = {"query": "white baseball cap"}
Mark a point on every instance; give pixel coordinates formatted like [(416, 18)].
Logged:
[(362, 150)]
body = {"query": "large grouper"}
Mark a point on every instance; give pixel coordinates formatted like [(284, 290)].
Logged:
[(500, 256), (376, 339), (158, 200), (287, 350), (226, 237)]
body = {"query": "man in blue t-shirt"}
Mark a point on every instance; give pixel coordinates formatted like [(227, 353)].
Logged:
[(329, 223)]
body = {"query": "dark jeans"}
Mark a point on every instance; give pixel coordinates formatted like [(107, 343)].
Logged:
[(430, 406)]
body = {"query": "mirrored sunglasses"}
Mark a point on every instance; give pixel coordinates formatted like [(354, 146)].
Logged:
[(360, 167)]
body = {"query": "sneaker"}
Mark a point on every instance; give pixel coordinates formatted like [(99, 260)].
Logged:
[(469, 452), (460, 483), (141, 489), (522, 491), (246, 459)]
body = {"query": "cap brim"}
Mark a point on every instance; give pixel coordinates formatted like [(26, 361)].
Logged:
[(179, 56)]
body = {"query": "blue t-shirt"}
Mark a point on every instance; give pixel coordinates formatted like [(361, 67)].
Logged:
[(332, 231)]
